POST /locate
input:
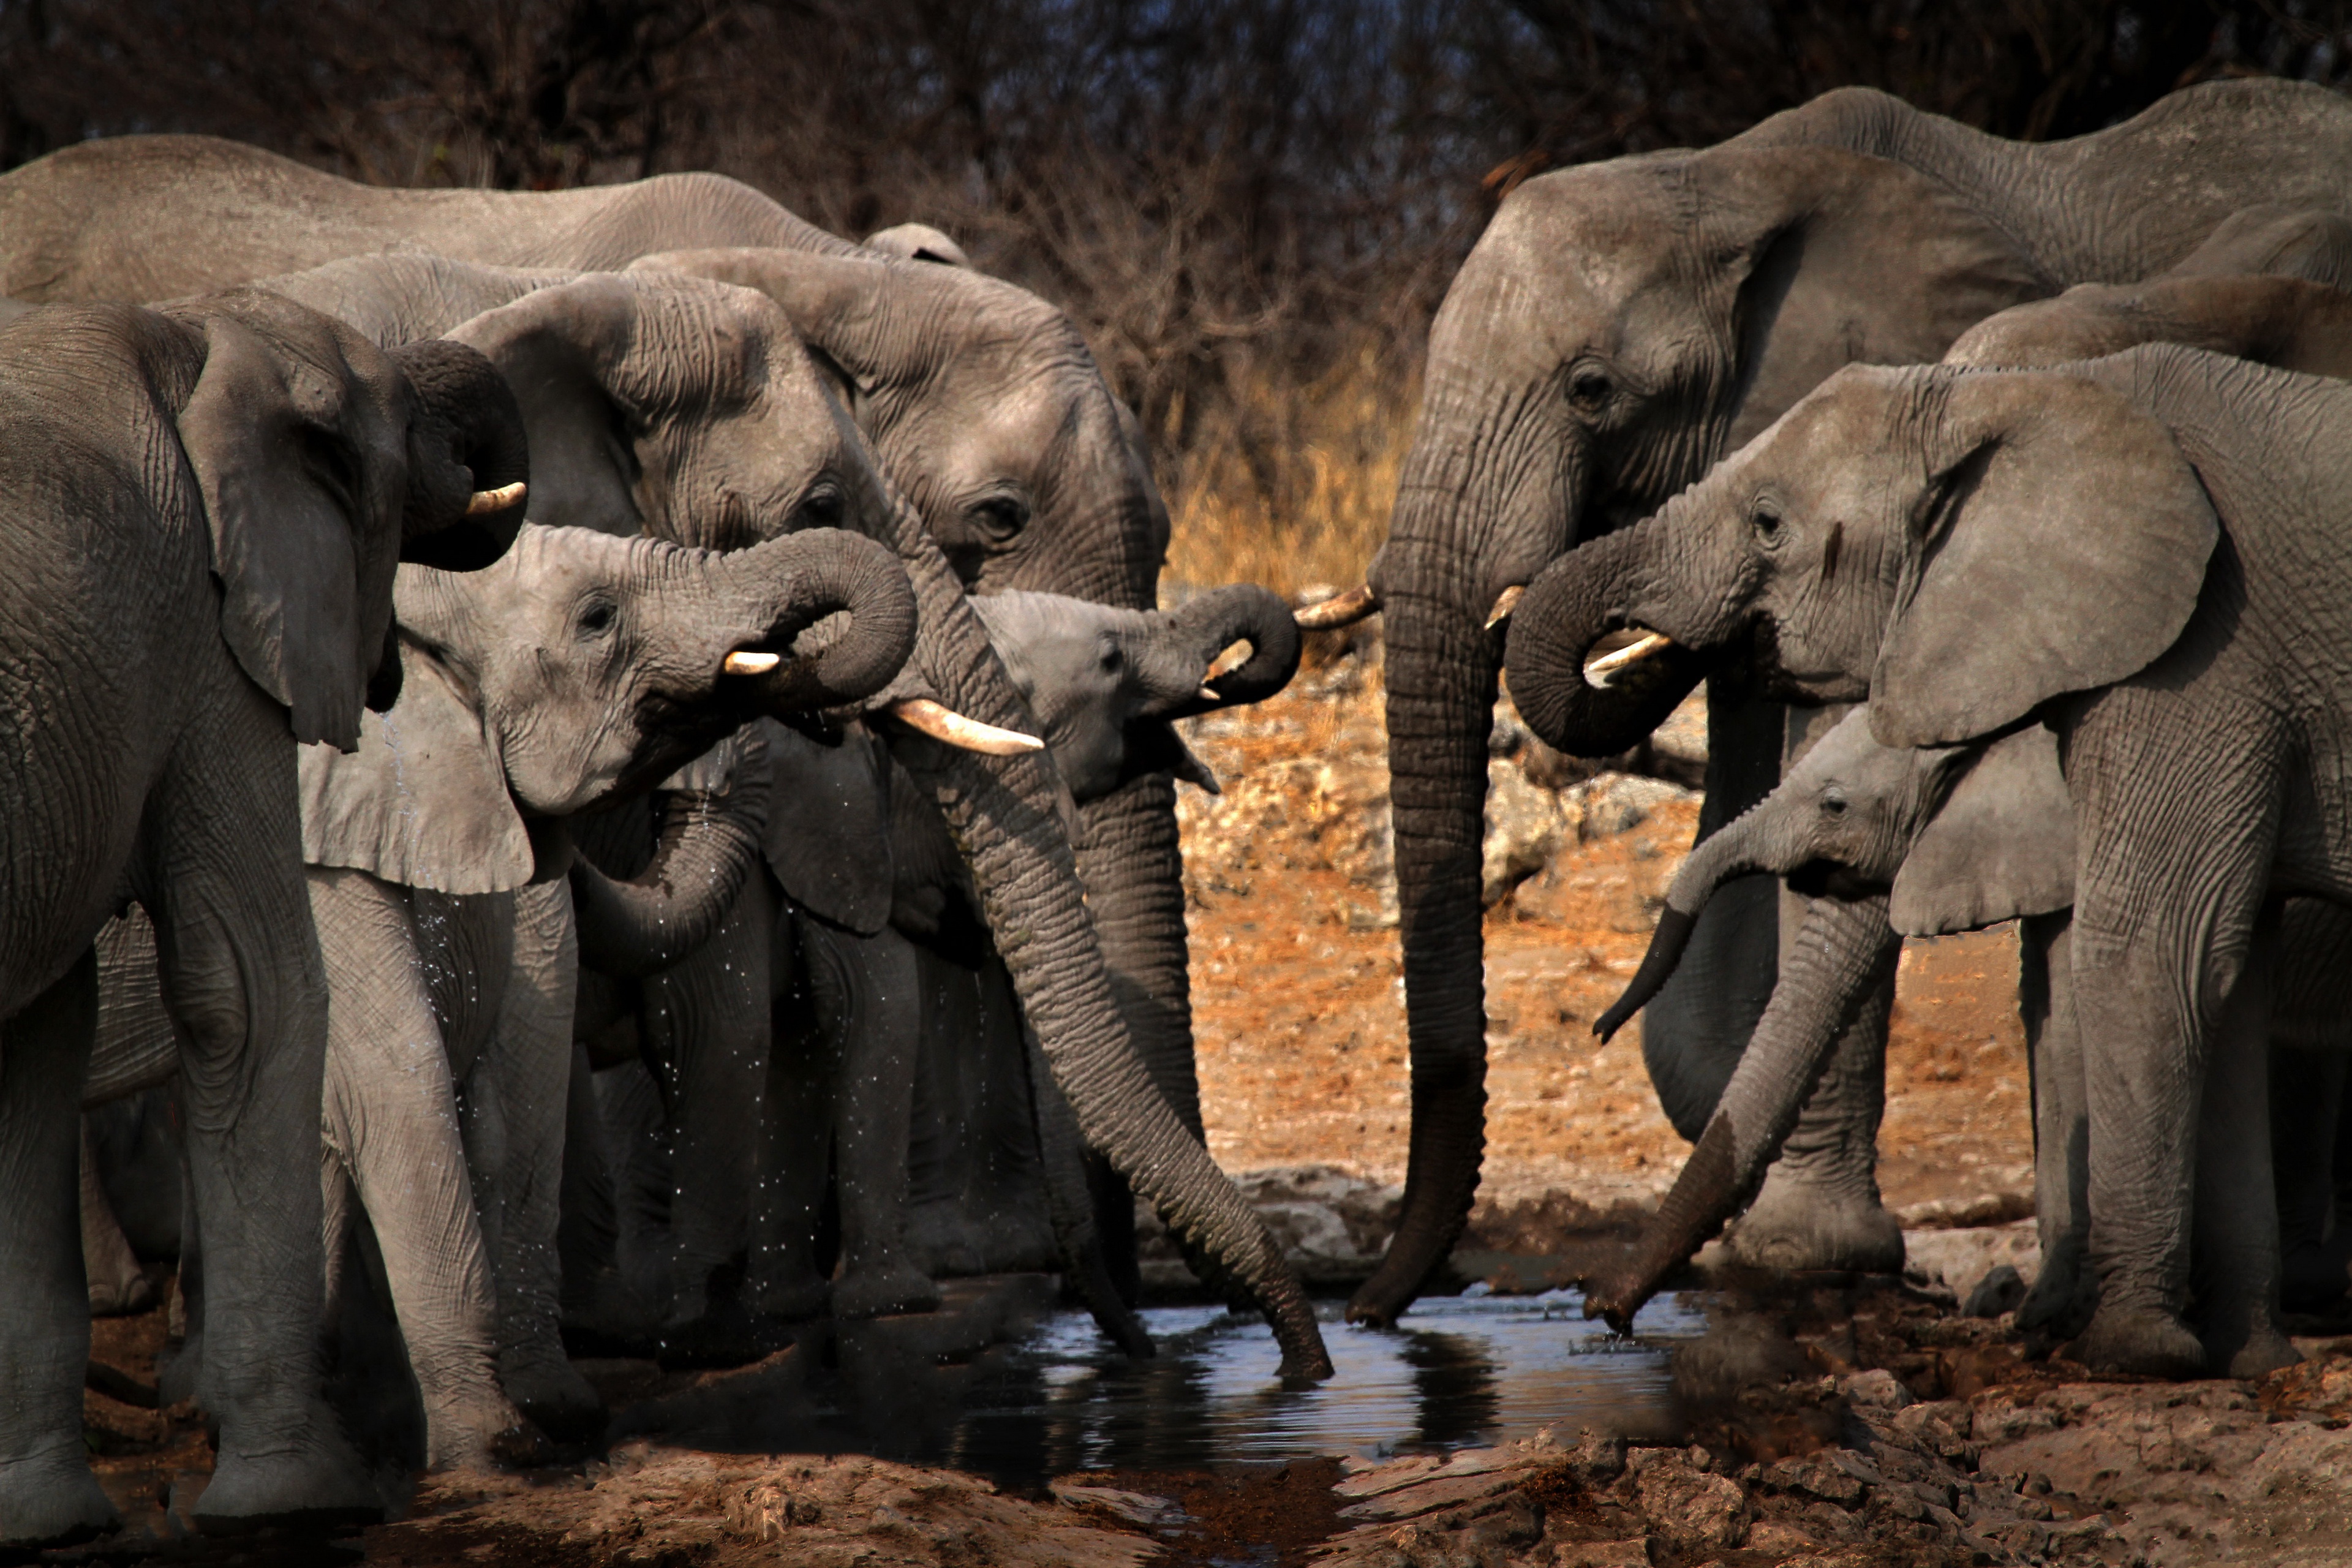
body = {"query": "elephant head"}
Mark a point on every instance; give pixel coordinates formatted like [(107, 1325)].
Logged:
[(1616, 328), (1931, 841), (1107, 684), (1955, 547), (414, 455), (2289, 323), (580, 667)]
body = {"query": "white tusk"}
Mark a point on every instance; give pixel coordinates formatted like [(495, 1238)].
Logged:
[(1231, 659), (1603, 670), (1504, 602), (945, 724), (1345, 610), (1209, 694), (743, 663), (497, 499)]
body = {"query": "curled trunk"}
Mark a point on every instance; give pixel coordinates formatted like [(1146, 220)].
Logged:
[(708, 841), (1569, 609), (1841, 952), (469, 438), (1205, 627), (791, 583)]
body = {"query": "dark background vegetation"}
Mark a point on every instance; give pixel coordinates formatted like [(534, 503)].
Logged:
[(1251, 205)]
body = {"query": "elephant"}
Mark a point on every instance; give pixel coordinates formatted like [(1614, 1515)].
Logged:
[(579, 668), (210, 502), (1969, 549), (981, 401), (1618, 327), (730, 447)]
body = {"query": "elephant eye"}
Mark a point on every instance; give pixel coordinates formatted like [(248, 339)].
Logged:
[(1000, 517), (1114, 659), (824, 505), (1588, 387), (1766, 520), (1833, 805), (597, 618)]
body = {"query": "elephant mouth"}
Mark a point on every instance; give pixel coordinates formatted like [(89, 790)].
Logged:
[(1607, 660)]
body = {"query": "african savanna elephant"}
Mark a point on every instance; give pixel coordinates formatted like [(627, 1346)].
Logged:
[(577, 668), (206, 506), (981, 401), (2135, 550), (1620, 326)]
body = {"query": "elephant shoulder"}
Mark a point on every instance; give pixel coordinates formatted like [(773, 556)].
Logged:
[(422, 803)]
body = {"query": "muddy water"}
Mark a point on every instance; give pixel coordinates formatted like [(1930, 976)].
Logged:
[(1456, 1371)]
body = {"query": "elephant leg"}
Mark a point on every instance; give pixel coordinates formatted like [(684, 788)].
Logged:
[(2065, 1291), (942, 1163), (864, 989), (714, 1012), (2306, 1098), (118, 1286), (785, 1279), (181, 1367), (243, 977), (47, 1496), (1010, 1206), (530, 1063), (600, 1308), (2235, 1247), (630, 1114), (390, 1135)]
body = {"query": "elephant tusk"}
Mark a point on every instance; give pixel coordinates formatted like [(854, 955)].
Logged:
[(944, 724), (1209, 694), (1504, 602), (497, 499), (1606, 668), (1231, 659), (1345, 610), (743, 662)]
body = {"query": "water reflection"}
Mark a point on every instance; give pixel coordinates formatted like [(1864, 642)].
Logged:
[(1455, 1371)]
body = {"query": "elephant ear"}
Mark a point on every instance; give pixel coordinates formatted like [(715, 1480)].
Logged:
[(424, 801), (828, 837), (2002, 846), (301, 459), (1844, 258), (2060, 546)]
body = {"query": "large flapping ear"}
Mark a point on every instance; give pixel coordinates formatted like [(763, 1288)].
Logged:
[(2002, 846), (1847, 258), (2282, 241), (2059, 545), (917, 242), (836, 303), (565, 351), (297, 434), (424, 801), (828, 839)]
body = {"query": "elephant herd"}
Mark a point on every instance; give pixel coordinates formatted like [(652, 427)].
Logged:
[(595, 767), (604, 760)]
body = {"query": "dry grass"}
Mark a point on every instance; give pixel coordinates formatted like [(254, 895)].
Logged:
[(1307, 503)]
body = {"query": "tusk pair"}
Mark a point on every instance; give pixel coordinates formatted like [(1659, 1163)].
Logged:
[(1350, 607), (1609, 665), (946, 725), (1231, 659), (497, 499), (1504, 602), (741, 662)]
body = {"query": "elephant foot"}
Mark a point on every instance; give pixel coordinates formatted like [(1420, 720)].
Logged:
[(804, 1299), (2146, 1340), (2059, 1304), (2265, 1350), (315, 1487), (728, 1335), (550, 1390), (883, 1291), (616, 1320), (1796, 1226), (52, 1502), (125, 1294), (494, 1438)]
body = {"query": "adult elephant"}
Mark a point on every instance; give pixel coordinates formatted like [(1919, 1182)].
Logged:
[(1617, 328), (749, 442), (2134, 550), (985, 407), (206, 509)]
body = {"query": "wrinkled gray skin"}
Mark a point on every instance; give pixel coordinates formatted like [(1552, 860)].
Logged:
[(182, 592), (580, 666), (735, 438), (982, 402), (2052, 552), (1617, 329)]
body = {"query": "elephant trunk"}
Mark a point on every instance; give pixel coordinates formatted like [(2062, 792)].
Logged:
[(1841, 953), (710, 840), (1737, 850), (468, 442), (1209, 624), (1005, 816), (787, 585), (1567, 610)]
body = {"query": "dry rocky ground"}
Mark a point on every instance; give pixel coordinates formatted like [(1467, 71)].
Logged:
[(1826, 1422)]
